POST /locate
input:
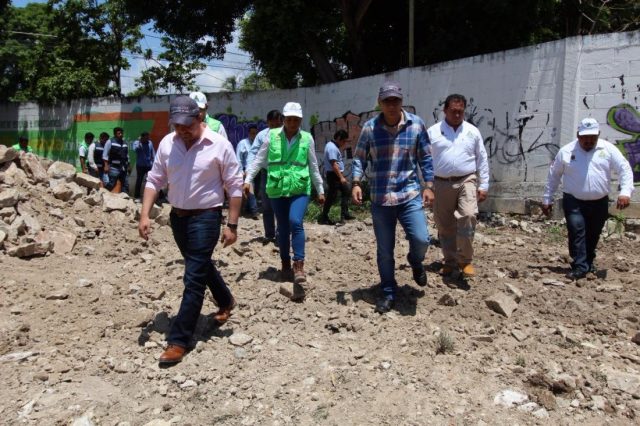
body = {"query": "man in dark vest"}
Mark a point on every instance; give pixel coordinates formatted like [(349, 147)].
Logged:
[(116, 161)]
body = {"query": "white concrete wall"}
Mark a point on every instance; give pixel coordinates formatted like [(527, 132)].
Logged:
[(526, 102)]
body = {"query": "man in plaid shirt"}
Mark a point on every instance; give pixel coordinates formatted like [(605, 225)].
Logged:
[(397, 145)]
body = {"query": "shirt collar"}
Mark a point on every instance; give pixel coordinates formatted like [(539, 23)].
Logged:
[(405, 119), (448, 127)]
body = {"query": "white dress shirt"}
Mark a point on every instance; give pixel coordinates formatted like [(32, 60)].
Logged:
[(587, 175), (459, 152)]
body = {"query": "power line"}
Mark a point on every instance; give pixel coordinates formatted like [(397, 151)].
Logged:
[(227, 52), (34, 34)]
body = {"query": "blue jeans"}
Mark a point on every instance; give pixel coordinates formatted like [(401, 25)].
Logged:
[(289, 213), (585, 220), (250, 205), (116, 174), (196, 237), (411, 217), (268, 217)]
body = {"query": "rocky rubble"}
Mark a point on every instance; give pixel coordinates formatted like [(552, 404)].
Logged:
[(85, 307)]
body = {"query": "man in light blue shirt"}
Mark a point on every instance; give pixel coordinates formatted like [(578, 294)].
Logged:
[(274, 120), (242, 153), (145, 154), (334, 175)]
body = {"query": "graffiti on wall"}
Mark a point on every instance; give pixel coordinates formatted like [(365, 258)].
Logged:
[(238, 129), (626, 119)]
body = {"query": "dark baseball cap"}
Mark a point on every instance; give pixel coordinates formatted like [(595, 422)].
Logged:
[(183, 110), (390, 89)]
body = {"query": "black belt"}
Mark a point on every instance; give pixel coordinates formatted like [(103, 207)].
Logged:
[(193, 212), (453, 178)]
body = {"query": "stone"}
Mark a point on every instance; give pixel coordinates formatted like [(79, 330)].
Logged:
[(112, 202), (625, 382), (7, 154), (158, 422), (447, 300), (519, 335), (541, 413), (514, 291), (85, 420), (30, 249), (502, 304), (154, 212), (94, 199), (13, 174), (635, 339), (552, 282), (528, 407), (3, 236), (63, 241), (142, 317), (62, 192), (57, 295), (17, 356), (33, 168), (598, 402), (292, 291), (87, 181), (9, 198), (32, 224), (510, 398), (61, 170), (546, 399), (240, 339)]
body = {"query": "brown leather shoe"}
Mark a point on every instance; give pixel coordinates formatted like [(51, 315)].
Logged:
[(298, 272), (223, 314), (172, 355)]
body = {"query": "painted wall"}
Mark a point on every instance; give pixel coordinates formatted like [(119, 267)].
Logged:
[(526, 102)]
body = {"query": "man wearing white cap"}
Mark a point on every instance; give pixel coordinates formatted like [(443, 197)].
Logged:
[(289, 155), (215, 125), (585, 166)]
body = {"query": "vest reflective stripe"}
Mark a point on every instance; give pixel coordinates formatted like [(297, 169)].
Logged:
[(288, 167), (98, 150), (118, 154), (213, 124)]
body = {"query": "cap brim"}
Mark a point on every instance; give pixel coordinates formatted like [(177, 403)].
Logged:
[(390, 95), (201, 105), (293, 114), (182, 119), (589, 132)]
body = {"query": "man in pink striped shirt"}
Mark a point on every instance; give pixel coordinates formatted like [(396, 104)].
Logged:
[(198, 165)]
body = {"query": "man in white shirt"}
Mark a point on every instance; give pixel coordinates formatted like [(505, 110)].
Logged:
[(585, 166), (461, 181)]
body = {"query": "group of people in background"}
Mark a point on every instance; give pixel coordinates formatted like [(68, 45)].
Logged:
[(108, 159)]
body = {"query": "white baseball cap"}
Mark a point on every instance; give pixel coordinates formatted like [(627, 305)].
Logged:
[(588, 126), (292, 109), (200, 98)]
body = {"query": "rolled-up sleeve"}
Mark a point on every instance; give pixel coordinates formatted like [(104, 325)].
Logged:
[(157, 176), (231, 172)]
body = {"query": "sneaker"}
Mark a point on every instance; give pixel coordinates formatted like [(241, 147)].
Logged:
[(325, 221), (384, 305), (419, 276), (576, 275), (467, 269)]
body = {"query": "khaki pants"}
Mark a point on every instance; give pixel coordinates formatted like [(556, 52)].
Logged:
[(455, 208)]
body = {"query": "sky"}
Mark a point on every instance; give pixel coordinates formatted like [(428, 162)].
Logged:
[(235, 63)]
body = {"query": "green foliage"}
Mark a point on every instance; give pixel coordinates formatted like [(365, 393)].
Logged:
[(556, 233), (314, 210)]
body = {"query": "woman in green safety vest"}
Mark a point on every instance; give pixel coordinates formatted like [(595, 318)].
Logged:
[(289, 155)]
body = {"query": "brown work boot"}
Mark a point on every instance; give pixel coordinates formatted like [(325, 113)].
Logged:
[(223, 314), (286, 273), (446, 270), (468, 271), (172, 355), (298, 272)]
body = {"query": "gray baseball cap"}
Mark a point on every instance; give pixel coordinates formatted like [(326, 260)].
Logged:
[(390, 89), (183, 110)]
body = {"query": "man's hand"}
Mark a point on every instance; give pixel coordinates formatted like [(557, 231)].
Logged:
[(427, 197), (144, 227), (106, 168), (547, 209), (321, 199), (356, 194), (229, 236), (482, 195), (623, 202), (246, 189)]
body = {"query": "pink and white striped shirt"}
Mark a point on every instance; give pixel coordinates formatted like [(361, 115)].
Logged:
[(197, 177)]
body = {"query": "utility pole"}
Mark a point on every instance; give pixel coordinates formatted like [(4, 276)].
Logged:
[(411, 26)]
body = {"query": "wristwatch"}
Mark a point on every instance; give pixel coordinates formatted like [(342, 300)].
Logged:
[(233, 226), (355, 183), (428, 185)]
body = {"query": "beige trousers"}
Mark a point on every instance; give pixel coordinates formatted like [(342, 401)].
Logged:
[(455, 208)]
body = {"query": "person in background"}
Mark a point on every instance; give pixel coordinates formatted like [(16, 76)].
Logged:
[(289, 156), (96, 164), (336, 181), (242, 153), (22, 145), (83, 150), (215, 125), (145, 154), (116, 161), (584, 166)]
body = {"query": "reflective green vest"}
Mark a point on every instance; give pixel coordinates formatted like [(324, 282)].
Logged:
[(213, 124), (288, 168), (17, 148)]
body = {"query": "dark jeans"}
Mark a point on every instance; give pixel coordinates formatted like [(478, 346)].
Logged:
[(114, 175), (333, 181), (141, 172), (585, 220), (196, 237), (290, 215), (268, 217)]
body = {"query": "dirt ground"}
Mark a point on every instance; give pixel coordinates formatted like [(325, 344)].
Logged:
[(81, 332)]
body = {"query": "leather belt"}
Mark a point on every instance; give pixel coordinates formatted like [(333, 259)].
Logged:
[(452, 178), (193, 212)]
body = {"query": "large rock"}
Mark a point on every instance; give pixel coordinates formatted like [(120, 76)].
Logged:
[(502, 304), (636, 339), (70, 191), (32, 224), (625, 382), (94, 199), (61, 170), (32, 248), (163, 218), (87, 181), (13, 175), (9, 198), (63, 241), (33, 168), (111, 202), (7, 154)]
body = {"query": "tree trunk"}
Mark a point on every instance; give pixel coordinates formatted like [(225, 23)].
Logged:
[(353, 12)]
